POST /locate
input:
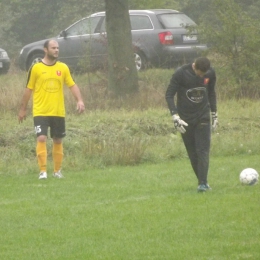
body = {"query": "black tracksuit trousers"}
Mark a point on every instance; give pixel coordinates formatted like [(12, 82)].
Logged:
[(197, 143)]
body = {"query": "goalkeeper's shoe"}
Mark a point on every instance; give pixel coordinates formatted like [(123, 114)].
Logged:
[(42, 175), (208, 187), (203, 188)]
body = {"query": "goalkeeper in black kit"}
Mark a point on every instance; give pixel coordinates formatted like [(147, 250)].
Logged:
[(195, 113)]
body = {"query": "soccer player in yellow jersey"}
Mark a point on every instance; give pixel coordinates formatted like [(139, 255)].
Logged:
[(45, 81)]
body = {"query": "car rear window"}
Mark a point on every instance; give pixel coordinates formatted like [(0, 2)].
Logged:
[(140, 22), (175, 20)]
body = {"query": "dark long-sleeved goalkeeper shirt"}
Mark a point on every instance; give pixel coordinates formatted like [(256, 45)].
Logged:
[(196, 95)]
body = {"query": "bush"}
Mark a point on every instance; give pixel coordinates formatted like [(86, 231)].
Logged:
[(235, 37)]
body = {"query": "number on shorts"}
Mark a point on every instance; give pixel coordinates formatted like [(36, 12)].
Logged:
[(37, 129)]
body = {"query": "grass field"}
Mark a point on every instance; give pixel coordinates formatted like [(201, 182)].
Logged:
[(133, 212), (129, 191)]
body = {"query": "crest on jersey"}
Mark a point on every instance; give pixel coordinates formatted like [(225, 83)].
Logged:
[(206, 81), (58, 72)]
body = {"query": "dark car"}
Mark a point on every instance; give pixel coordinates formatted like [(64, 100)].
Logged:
[(4, 61), (160, 38)]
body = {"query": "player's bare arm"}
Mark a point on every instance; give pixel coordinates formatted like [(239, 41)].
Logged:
[(76, 93), (25, 99)]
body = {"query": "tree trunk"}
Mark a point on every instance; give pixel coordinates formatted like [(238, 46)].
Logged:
[(122, 73)]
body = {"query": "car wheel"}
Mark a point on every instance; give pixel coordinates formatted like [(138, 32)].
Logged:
[(34, 59), (140, 61)]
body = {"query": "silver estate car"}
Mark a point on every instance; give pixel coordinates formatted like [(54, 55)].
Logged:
[(160, 38)]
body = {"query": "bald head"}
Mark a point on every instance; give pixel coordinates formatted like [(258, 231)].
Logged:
[(48, 42)]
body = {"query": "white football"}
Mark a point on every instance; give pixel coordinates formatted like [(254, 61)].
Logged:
[(249, 176)]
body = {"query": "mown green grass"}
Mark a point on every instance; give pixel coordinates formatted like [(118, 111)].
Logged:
[(135, 212)]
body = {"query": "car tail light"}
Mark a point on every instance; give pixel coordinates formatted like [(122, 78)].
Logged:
[(166, 38)]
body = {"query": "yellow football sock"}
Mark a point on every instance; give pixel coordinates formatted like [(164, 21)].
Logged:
[(57, 155), (41, 151)]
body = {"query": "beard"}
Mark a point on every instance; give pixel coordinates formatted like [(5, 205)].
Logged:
[(52, 57)]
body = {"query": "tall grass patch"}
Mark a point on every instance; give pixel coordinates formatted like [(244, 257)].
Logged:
[(130, 131)]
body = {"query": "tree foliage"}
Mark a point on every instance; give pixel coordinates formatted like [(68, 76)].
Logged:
[(235, 35), (154, 4), (25, 21)]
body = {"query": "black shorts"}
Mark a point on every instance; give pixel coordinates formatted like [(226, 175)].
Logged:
[(56, 124)]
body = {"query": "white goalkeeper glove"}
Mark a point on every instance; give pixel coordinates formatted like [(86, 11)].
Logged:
[(179, 124), (214, 121)]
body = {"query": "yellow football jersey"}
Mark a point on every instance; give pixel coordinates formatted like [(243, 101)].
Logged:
[(47, 84)]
